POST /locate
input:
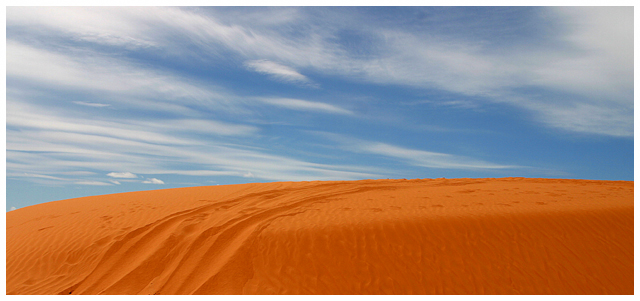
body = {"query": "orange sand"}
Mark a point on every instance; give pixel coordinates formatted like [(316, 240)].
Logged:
[(442, 236)]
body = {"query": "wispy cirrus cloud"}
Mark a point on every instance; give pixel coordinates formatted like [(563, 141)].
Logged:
[(457, 104), (44, 177), (120, 81), (587, 56), (146, 89), (124, 175), (28, 116), (71, 141), (305, 105), (278, 71), (29, 175), (426, 158), (108, 25), (92, 183), (585, 62), (409, 156), (92, 104), (55, 144), (203, 126)]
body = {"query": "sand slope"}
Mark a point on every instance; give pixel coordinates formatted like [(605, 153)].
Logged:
[(441, 236)]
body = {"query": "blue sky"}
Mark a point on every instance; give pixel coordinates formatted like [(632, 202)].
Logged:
[(107, 99)]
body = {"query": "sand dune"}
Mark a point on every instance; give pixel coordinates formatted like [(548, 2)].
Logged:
[(440, 236)]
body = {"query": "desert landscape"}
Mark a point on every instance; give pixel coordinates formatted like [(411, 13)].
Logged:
[(423, 236)]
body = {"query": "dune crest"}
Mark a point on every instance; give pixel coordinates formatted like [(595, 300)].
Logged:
[(432, 236)]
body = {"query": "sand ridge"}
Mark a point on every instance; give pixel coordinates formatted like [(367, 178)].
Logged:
[(424, 236)]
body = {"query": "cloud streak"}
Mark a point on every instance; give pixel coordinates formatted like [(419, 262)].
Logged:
[(153, 181), (161, 92), (92, 183), (426, 158), (124, 175), (92, 104), (277, 71), (411, 157), (590, 57), (305, 105), (120, 81), (47, 144)]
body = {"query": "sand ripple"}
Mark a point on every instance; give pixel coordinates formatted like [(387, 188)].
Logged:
[(442, 236)]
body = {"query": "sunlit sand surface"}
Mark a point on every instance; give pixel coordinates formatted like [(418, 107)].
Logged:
[(433, 236)]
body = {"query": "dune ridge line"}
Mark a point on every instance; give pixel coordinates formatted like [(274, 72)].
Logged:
[(422, 236)]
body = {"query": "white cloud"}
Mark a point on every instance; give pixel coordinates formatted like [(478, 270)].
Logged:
[(126, 175), (92, 104), (86, 151), (590, 56), (604, 37), (153, 181), (200, 173), (114, 182), (597, 78), (205, 126), (614, 120), (106, 25), (132, 84), (305, 105), (457, 104), (12, 208), (92, 183), (40, 176), (77, 173), (56, 69), (277, 71), (428, 159), (20, 114), (591, 60), (412, 157), (53, 151)]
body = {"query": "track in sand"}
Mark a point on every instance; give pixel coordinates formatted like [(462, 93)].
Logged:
[(440, 236)]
